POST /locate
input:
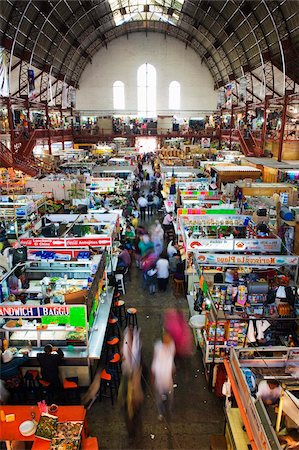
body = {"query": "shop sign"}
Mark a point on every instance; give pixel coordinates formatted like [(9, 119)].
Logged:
[(210, 244), (259, 260), (68, 242), (257, 245), (34, 311), (92, 242), (42, 242), (103, 184), (198, 211)]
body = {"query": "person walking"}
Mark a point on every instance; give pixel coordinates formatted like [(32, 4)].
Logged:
[(162, 267), (150, 203), (142, 203), (162, 374)]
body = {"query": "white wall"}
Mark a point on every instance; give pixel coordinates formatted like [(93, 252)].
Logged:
[(172, 60)]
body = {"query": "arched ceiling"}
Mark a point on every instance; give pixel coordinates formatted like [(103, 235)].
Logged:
[(231, 36)]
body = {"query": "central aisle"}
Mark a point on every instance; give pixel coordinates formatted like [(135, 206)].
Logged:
[(197, 413)]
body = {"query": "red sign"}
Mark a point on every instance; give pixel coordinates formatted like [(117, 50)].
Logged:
[(42, 242), (84, 242), (68, 242)]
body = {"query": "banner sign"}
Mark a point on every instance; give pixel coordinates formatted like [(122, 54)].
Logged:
[(203, 244), (51, 101), (247, 260), (197, 211), (210, 195), (66, 242), (229, 94), (242, 89), (238, 245), (102, 184), (71, 97), (64, 96), (205, 142), (220, 99), (257, 245), (34, 311), (31, 84), (4, 81)]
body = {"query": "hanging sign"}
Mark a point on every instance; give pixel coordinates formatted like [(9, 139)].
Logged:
[(220, 99), (31, 84), (254, 260), (4, 83), (64, 96), (51, 101), (205, 142), (229, 94), (242, 89), (71, 97)]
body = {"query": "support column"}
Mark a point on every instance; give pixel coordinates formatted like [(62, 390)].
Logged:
[(263, 136), (11, 124), (231, 126), (220, 129), (283, 122), (48, 128), (28, 114), (247, 103)]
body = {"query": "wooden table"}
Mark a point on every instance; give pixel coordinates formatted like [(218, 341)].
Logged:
[(10, 431)]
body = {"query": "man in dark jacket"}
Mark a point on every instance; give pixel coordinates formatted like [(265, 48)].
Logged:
[(49, 363)]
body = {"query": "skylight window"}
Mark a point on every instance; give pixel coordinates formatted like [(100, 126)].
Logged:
[(156, 10)]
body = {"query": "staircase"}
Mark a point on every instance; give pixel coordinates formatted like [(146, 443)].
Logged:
[(248, 144), (6, 158), (27, 164)]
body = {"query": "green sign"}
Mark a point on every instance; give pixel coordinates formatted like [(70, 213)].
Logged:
[(76, 317)]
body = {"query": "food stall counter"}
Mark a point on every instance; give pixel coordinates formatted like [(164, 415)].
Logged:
[(10, 430), (97, 335)]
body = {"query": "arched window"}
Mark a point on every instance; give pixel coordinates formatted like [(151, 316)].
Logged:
[(118, 95), (146, 90), (174, 95)]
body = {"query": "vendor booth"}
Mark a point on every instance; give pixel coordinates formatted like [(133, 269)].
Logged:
[(267, 427)]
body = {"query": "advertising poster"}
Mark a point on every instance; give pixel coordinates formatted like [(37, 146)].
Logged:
[(4, 84), (31, 84), (229, 94)]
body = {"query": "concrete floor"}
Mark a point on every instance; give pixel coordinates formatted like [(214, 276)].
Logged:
[(197, 412)]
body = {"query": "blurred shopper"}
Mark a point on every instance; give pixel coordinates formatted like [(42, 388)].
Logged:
[(162, 375), (142, 203), (162, 267)]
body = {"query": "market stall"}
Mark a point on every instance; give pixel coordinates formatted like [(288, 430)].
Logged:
[(231, 173), (240, 296), (261, 420), (58, 186), (16, 212), (63, 302)]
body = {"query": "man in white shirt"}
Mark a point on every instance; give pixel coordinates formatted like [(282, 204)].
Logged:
[(269, 391), (162, 267), (171, 249), (168, 219), (162, 372), (142, 203)]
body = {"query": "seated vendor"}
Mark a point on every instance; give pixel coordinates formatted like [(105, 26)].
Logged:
[(269, 391), (124, 258), (9, 369)]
